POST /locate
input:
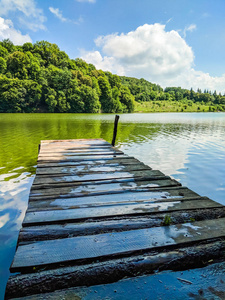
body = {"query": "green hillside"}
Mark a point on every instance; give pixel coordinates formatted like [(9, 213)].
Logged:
[(40, 77)]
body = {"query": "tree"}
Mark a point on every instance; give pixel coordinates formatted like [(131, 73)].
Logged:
[(126, 99), (116, 99), (8, 45), (3, 65), (19, 95), (105, 98), (51, 100), (17, 64), (114, 80), (62, 104), (3, 51), (90, 98)]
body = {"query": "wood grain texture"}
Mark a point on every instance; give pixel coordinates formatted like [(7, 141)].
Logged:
[(122, 159), (95, 176), (56, 231), (72, 170), (72, 158), (118, 243), (111, 271), (69, 214), (86, 188), (118, 197)]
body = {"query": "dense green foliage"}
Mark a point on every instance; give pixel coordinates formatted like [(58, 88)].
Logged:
[(41, 78), (151, 97)]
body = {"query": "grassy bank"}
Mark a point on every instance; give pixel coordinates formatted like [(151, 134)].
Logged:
[(174, 106)]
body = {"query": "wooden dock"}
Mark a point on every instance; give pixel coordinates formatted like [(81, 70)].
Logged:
[(96, 215)]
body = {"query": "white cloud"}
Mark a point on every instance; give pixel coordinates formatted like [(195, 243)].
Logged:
[(198, 79), (103, 62), (148, 52), (57, 13), (189, 28), (152, 53), (33, 17), (7, 31)]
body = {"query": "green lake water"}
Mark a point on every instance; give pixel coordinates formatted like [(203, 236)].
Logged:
[(190, 147)]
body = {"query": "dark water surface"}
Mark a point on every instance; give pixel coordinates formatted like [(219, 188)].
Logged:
[(190, 147)]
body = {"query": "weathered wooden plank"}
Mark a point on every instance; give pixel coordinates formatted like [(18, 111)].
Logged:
[(139, 193), (75, 151), (86, 189), (115, 197), (95, 176), (77, 214), (76, 141), (72, 170), (70, 151), (118, 243), (56, 231), (104, 181), (73, 155), (81, 158), (77, 202), (49, 147), (124, 160)]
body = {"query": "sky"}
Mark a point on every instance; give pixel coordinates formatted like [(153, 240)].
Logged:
[(168, 42)]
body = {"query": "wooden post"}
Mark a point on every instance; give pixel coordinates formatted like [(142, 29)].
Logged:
[(115, 129)]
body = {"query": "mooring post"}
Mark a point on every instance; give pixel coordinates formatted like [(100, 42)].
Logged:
[(115, 130)]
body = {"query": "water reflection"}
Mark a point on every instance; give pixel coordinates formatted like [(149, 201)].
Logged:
[(14, 190), (189, 147)]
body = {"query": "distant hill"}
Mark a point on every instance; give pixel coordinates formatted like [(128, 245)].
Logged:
[(40, 77)]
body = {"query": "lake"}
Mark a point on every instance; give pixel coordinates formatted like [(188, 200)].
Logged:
[(190, 147)]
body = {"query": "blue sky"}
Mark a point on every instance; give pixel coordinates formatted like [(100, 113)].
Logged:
[(170, 42)]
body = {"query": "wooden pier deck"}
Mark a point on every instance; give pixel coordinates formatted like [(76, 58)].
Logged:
[(96, 215)]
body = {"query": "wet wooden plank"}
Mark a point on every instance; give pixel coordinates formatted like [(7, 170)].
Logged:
[(118, 243), (87, 188), (76, 141), (124, 160), (115, 197), (75, 144), (98, 182), (81, 158), (76, 214), (88, 203), (95, 176), (56, 231), (64, 150), (74, 155), (72, 170), (111, 271), (77, 151)]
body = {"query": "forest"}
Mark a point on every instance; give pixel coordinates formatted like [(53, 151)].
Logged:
[(40, 77)]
